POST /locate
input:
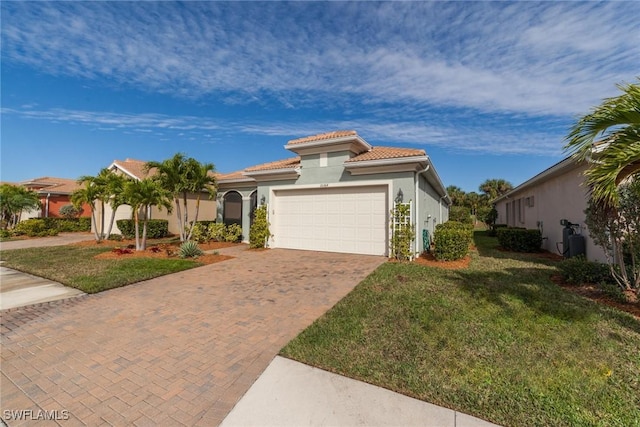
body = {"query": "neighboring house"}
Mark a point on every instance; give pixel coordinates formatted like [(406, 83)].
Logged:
[(336, 195), (134, 169), (558, 193), (53, 193)]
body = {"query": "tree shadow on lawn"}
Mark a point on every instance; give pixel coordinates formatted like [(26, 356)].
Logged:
[(488, 246), (534, 288)]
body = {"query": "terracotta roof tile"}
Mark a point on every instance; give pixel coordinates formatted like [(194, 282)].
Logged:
[(48, 184), (381, 153), (323, 136), (135, 167), (278, 164), (230, 175)]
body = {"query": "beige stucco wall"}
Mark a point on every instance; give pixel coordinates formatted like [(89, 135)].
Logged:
[(207, 212), (545, 203)]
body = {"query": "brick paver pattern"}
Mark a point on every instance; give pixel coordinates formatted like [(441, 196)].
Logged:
[(176, 350)]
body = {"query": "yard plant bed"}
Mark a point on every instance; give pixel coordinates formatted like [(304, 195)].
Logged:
[(90, 267), (498, 340)]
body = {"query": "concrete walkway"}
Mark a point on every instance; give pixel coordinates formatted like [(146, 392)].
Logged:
[(18, 289), (59, 240), (289, 393)]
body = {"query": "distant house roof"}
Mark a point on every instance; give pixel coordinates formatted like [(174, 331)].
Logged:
[(132, 167), (48, 184), (278, 164)]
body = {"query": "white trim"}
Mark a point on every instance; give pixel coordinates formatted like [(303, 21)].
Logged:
[(324, 162), (384, 162), (376, 182), (117, 166), (329, 141)]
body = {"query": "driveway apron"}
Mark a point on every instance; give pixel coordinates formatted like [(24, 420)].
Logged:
[(176, 350)]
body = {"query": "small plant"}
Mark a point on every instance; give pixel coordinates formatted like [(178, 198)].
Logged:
[(216, 232), (155, 249), (233, 233), (70, 211), (115, 237), (122, 251), (200, 233), (578, 270), (189, 249), (259, 232)]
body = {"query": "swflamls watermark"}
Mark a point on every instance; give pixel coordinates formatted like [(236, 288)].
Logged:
[(35, 415)]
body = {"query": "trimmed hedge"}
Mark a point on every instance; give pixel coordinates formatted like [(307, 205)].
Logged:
[(452, 240), (460, 214), (68, 224), (156, 228), (34, 227), (493, 231), (520, 239)]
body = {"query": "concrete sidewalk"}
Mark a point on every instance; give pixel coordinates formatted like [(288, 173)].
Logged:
[(289, 393), (19, 289), (59, 240)]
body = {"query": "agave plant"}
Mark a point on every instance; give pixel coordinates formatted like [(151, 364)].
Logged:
[(189, 249)]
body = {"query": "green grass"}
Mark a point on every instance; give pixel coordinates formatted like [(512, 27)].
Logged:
[(76, 266), (497, 340)]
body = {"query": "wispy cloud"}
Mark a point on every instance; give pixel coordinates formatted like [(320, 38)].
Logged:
[(530, 58), (456, 136)]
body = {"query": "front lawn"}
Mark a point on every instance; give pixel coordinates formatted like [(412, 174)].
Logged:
[(497, 340), (75, 266)]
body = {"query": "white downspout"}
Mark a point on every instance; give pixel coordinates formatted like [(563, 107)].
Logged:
[(46, 206)]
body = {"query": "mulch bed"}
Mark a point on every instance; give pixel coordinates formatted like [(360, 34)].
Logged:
[(593, 292), (430, 261), (125, 249)]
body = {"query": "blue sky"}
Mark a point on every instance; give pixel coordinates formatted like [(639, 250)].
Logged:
[(488, 89)]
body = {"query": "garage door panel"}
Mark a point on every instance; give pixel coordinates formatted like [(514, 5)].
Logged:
[(340, 219)]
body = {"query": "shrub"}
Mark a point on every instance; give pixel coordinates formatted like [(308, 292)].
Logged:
[(452, 240), (200, 233), (259, 232), (578, 270), (233, 233), (156, 228), (460, 214), (115, 237), (70, 211), (4, 234), (493, 231), (217, 232), (520, 239), (189, 249), (35, 227), (68, 224)]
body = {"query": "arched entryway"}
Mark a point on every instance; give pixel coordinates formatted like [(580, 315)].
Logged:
[(232, 208)]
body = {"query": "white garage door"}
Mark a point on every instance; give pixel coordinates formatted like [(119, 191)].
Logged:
[(334, 219)]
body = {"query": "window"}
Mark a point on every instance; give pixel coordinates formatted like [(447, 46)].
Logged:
[(323, 160), (232, 208)]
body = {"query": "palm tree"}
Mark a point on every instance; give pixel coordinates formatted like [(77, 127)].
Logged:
[(199, 178), (88, 194), (180, 176), (141, 195), (13, 200), (609, 138), (495, 188), (170, 174), (114, 187), (457, 195)]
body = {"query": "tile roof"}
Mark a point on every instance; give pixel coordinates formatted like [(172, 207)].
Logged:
[(278, 164), (323, 136), (383, 153), (230, 175), (48, 184), (133, 166)]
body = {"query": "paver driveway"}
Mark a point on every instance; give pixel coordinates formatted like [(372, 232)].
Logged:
[(175, 350)]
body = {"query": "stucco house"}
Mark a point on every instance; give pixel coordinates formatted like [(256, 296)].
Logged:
[(558, 193), (53, 194), (336, 194), (134, 169)]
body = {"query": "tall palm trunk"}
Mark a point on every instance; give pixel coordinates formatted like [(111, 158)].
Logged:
[(93, 219), (195, 218), (112, 220), (136, 218), (186, 214), (179, 216)]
